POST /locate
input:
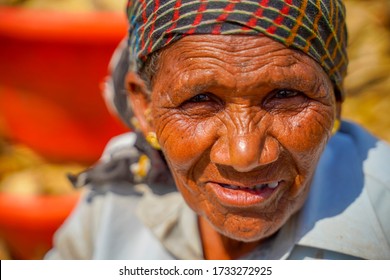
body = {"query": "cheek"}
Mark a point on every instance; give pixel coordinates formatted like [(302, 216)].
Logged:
[(305, 136), (183, 140), (307, 130), (186, 143)]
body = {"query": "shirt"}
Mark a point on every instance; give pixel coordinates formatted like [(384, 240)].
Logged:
[(344, 217)]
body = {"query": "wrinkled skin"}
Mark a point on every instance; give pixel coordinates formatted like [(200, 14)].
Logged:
[(241, 111)]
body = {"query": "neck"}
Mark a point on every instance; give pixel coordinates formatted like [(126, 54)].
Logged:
[(219, 247)]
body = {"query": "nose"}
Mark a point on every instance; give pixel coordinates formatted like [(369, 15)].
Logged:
[(245, 152)]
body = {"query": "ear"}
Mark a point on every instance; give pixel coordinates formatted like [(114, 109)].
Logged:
[(139, 100)]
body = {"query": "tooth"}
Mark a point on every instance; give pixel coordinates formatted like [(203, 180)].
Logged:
[(273, 185), (259, 187)]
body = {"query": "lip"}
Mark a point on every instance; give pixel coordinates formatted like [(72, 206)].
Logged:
[(243, 197)]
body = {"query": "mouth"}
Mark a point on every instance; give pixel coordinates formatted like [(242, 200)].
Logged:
[(245, 196), (258, 187)]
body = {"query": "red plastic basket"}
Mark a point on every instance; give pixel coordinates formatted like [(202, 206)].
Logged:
[(52, 66)]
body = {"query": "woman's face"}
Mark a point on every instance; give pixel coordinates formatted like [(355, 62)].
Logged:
[(242, 121)]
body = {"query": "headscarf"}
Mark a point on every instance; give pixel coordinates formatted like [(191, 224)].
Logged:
[(315, 27)]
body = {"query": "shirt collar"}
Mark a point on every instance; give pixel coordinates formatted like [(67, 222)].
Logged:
[(338, 215)]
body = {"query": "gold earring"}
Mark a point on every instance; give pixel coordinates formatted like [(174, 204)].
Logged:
[(151, 138), (336, 126)]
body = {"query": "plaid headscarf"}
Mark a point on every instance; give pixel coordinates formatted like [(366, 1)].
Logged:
[(316, 27)]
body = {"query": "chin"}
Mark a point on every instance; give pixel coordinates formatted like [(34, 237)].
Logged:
[(245, 228), (260, 232), (252, 227)]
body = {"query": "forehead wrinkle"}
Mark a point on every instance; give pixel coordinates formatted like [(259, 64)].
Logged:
[(198, 77), (233, 46), (205, 72), (236, 65), (227, 59)]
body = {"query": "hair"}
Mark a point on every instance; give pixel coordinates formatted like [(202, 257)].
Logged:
[(149, 69)]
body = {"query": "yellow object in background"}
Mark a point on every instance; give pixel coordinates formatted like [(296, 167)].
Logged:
[(368, 80), (4, 253), (23, 172)]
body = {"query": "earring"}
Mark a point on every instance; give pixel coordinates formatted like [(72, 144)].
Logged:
[(336, 126), (151, 138)]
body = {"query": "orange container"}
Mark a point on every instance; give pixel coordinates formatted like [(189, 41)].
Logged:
[(27, 224), (52, 66)]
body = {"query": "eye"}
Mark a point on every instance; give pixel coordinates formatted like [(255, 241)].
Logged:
[(203, 97), (286, 99), (286, 93), (203, 104)]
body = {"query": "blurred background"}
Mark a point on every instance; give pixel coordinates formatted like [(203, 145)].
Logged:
[(53, 120), (54, 56)]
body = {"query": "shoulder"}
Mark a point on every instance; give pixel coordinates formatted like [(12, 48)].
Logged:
[(105, 224), (350, 196), (372, 157)]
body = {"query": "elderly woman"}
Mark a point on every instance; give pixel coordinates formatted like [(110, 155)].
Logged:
[(236, 149)]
